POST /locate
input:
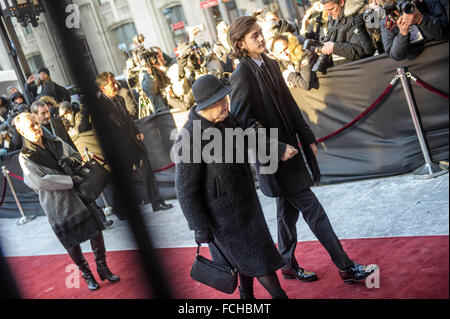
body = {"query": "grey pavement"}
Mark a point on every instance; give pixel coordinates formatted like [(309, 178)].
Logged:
[(382, 207)]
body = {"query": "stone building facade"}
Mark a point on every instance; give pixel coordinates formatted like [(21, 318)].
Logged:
[(107, 28)]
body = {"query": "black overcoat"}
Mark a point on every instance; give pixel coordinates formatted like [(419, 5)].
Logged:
[(255, 105), (223, 198)]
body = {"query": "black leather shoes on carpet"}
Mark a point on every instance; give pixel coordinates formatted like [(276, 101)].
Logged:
[(162, 206), (299, 274), (357, 272), (108, 223)]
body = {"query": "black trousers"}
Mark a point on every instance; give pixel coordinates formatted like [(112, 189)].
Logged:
[(145, 169), (306, 202)]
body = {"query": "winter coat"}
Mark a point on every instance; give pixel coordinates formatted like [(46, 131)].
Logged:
[(254, 105), (49, 88), (349, 33), (434, 26), (70, 219), (222, 197)]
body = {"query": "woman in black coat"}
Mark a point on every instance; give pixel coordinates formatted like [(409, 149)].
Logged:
[(219, 199)]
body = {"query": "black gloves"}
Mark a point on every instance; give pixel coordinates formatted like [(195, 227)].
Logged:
[(203, 236), (77, 180)]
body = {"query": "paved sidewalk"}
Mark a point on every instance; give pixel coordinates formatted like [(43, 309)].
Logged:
[(382, 207)]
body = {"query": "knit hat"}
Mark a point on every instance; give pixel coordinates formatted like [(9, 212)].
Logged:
[(45, 70)]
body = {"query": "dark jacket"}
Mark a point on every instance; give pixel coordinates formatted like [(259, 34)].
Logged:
[(125, 131), (349, 33), (434, 26), (49, 88), (254, 105), (222, 197), (302, 77), (70, 218)]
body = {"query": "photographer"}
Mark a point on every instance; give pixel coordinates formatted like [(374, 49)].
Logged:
[(153, 80), (347, 35), (293, 61), (404, 33)]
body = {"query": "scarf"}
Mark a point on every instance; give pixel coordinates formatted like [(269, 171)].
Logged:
[(47, 157)]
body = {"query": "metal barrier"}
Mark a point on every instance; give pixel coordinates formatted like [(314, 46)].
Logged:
[(429, 169), (24, 219)]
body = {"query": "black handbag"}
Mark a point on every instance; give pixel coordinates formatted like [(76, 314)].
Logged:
[(218, 276), (95, 179)]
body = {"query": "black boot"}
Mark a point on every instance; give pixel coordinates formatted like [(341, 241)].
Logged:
[(98, 247), (78, 258), (245, 294)]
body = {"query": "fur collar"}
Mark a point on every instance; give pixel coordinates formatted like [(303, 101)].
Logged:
[(352, 7)]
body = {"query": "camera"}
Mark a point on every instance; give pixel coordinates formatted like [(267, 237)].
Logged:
[(407, 6), (149, 56), (324, 61)]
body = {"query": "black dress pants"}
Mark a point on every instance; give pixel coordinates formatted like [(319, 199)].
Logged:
[(306, 202), (151, 187)]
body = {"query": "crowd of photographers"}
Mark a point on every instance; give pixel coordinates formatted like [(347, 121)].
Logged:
[(332, 32)]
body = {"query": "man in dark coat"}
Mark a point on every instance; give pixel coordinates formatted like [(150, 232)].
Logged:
[(260, 98), (130, 140), (218, 197), (347, 35)]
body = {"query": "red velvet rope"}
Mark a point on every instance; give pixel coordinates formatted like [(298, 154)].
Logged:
[(430, 88), (16, 176), (361, 116), (4, 191), (164, 168)]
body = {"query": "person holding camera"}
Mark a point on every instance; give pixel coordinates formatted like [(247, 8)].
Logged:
[(261, 99), (347, 35), (293, 61), (45, 86), (412, 23), (48, 165)]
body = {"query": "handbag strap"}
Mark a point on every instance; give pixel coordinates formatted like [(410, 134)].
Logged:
[(220, 251)]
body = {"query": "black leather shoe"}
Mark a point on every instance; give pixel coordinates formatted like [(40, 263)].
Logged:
[(162, 206), (108, 223), (299, 274), (356, 273)]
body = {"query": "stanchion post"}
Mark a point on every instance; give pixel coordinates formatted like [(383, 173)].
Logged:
[(24, 219), (429, 169)]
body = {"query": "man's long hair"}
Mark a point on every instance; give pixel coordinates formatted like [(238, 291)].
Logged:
[(237, 31)]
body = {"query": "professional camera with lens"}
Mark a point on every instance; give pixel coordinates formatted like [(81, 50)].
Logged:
[(407, 6), (150, 57), (324, 61)]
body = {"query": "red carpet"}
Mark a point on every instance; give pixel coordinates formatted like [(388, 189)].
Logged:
[(410, 267)]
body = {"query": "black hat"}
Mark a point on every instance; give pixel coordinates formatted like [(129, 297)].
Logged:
[(15, 95), (45, 70), (208, 89)]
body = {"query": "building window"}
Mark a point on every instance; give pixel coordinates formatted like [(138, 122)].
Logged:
[(35, 62), (102, 2), (177, 22), (124, 36)]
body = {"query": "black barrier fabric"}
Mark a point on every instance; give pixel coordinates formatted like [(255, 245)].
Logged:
[(28, 198), (383, 144)]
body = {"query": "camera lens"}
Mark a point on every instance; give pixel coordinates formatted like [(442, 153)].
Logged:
[(408, 7)]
